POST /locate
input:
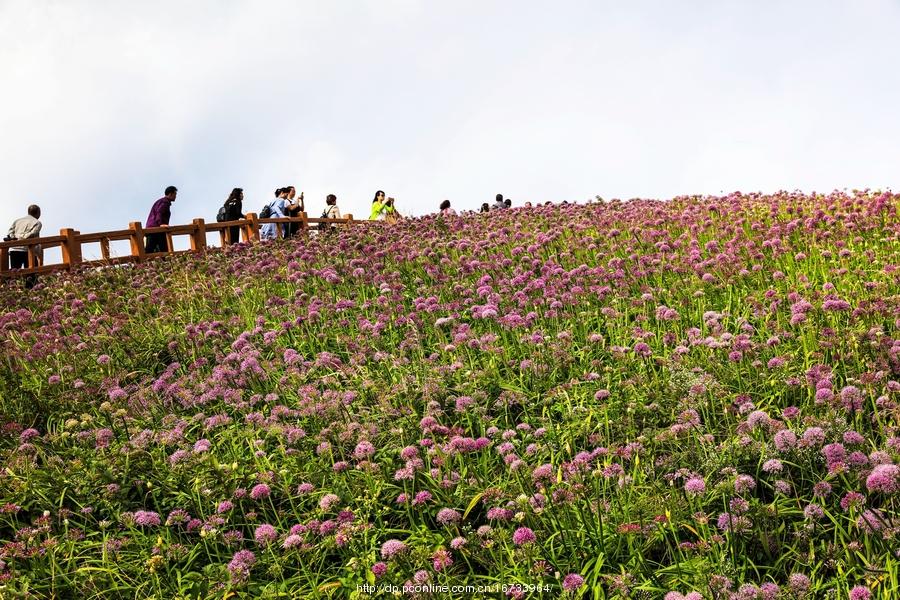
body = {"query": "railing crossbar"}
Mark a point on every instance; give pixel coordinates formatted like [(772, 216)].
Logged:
[(70, 242)]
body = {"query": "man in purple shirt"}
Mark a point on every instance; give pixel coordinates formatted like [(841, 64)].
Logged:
[(159, 215)]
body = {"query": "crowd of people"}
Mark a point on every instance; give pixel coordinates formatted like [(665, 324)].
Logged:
[(285, 203)]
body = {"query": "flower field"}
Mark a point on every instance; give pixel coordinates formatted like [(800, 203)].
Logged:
[(687, 399)]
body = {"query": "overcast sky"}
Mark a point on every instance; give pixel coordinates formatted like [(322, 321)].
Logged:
[(104, 104)]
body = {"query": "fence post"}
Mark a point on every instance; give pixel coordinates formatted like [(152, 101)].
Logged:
[(4, 259), (71, 249), (304, 222), (170, 243), (198, 237), (252, 228), (137, 241)]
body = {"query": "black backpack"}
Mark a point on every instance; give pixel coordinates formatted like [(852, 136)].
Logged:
[(266, 211), (323, 226), (222, 215)]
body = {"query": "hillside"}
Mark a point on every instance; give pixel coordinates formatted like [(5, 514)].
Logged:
[(697, 395)]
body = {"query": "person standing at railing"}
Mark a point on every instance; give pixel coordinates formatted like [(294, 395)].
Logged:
[(277, 207), (234, 210), (379, 207), (383, 210), (331, 212), (391, 215), (293, 208), (159, 216), (26, 227)]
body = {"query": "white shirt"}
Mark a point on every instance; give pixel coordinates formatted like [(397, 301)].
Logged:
[(24, 228)]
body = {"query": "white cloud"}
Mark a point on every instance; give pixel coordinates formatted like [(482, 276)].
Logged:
[(104, 104)]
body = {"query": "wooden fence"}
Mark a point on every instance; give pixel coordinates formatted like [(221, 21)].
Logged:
[(70, 241)]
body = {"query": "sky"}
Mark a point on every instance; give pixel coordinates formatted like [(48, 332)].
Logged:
[(104, 104)]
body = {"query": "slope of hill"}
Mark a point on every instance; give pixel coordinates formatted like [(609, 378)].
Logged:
[(697, 395)]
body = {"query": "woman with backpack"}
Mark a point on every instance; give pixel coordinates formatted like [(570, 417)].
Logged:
[(233, 211), (331, 212), (273, 210)]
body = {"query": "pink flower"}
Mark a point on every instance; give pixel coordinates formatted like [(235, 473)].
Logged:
[(799, 583), (884, 478), (860, 592), (146, 518), (522, 536), (785, 440), (392, 548), (328, 500), (542, 472), (773, 466), (813, 437), (642, 349), (240, 565), (260, 491), (28, 434), (441, 559), (572, 582), (500, 514), (422, 497), (852, 499), (695, 486), (744, 483), (364, 450), (447, 516), (265, 534)]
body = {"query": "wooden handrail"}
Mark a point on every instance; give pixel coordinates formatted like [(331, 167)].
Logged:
[(70, 242)]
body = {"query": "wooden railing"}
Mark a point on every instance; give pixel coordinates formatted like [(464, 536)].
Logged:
[(70, 241)]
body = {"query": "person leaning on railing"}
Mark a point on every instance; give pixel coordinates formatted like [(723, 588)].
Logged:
[(159, 216), (24, 228)]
